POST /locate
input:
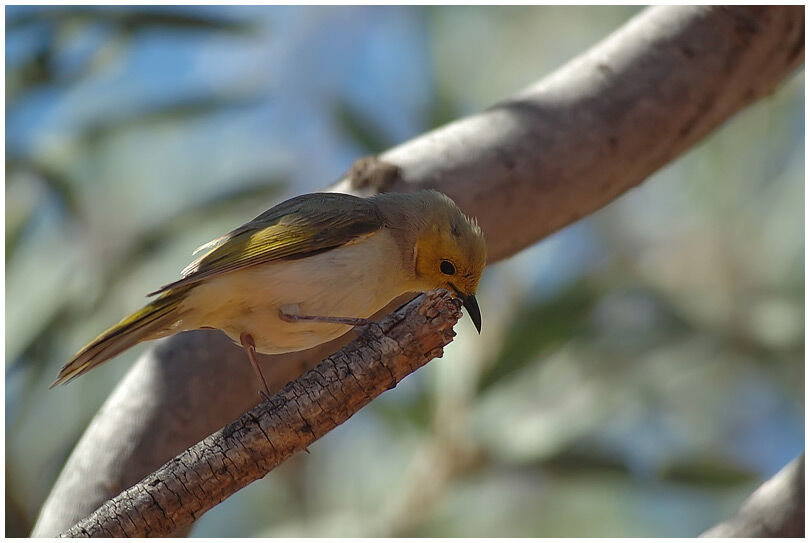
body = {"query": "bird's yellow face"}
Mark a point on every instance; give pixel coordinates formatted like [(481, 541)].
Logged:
[(451, 254)]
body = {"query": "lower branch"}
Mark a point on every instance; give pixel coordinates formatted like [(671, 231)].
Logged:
[(248, 448)]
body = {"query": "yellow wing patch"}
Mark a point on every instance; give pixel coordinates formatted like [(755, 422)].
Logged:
[(297, 228)]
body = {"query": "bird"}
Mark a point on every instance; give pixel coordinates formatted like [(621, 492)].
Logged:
[(305, 272)]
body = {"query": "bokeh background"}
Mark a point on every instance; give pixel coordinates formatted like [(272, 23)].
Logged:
[(639, 374)]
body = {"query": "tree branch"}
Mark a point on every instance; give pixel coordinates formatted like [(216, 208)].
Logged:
[(248, 448), (528, 166), (775, 509)]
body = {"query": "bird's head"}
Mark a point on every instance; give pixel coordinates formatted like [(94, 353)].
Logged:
[(450, 252)]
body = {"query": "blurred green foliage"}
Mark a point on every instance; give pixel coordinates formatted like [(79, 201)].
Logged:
[(640, 371), (563, 318)]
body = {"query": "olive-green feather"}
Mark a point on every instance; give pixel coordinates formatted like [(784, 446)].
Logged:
[(151, 322), (297, 228)]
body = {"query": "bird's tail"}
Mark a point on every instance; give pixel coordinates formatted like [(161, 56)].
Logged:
[(156, 319)]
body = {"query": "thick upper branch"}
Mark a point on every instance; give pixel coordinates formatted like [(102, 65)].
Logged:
[(600, 125), (304, 410)]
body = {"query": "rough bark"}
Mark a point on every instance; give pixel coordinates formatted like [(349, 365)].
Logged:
[(775, 509), (307, 408), (526, 167)]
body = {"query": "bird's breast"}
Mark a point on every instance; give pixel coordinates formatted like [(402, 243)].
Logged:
[(355, 280)]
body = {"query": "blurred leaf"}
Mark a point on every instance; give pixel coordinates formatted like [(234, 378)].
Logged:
[(444, 106), (39, 69), (34, 71), (539, 327), (707, 472), (182, 109), (51, 74), (578, 460), (154, 237), (17, 222), (38, 350), (51, 177), (133, 19), (356, 126), (417, 412), (26, 366), (694, 471), (443, 109), (59, 187)]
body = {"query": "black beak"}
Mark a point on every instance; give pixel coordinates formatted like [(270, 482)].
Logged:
[(471, 305)]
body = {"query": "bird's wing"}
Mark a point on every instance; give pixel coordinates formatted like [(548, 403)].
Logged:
[(300, 227)]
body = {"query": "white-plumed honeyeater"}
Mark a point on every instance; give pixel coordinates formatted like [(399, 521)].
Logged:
[(306, 271)]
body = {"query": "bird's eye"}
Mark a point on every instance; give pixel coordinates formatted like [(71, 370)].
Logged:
[(447, 267)]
